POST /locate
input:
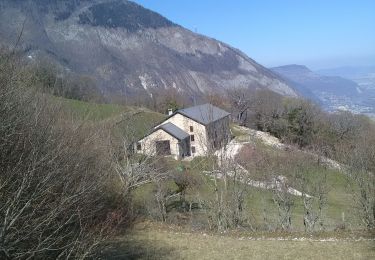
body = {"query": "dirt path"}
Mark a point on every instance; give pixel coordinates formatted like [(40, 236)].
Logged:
[(269, 140), (228, 154)]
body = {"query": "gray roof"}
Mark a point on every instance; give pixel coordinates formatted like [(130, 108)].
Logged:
[(204, 114), (173, 130)]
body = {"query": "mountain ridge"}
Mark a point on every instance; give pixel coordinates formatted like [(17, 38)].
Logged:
[(119, 44)]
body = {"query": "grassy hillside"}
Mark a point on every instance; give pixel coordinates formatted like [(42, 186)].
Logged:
[(340, 208), (124, 120), (136, 123), (259, 208), (89, 111), (155, 241)]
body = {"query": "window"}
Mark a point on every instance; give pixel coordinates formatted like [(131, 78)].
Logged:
[(191, 128), (192, 138), (193, 149), (139, 146)]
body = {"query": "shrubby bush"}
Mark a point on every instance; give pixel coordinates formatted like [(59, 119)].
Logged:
[(56, 194)]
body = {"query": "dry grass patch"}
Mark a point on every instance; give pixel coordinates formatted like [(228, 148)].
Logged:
[(150, 241)]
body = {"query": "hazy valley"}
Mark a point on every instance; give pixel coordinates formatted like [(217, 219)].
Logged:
[(347, 89), (365, 79)]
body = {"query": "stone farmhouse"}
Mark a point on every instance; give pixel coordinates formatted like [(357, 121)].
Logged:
[(188, 132)]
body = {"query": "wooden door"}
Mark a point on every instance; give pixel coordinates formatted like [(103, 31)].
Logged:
[(163, 148)]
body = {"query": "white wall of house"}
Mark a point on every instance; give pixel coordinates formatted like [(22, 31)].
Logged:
[(199, 131), (148, 143)]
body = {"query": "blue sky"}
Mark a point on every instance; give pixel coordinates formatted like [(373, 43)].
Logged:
[(316, 33)]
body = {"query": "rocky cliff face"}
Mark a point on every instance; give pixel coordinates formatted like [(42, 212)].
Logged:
[(128, 49)]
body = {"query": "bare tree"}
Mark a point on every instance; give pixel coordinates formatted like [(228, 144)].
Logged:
[(136, 170), (361, 161), (284, 202), (314, 192), (227, 208), (240, 102), (267, 109)]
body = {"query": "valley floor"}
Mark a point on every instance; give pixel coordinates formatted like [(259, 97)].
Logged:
[(155, 241)]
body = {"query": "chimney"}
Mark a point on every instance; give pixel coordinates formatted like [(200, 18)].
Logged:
[(170, 111)]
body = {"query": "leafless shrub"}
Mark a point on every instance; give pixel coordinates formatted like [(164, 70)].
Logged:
[(55, 201), (227, 208)]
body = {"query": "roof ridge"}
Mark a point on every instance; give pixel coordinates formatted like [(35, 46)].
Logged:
[(204, 113)]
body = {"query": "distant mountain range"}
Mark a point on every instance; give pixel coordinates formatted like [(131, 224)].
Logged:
[(317, 83), (130, 50), (330, 89)]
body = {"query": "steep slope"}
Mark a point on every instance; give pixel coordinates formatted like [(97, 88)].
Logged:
[(128, 49)]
